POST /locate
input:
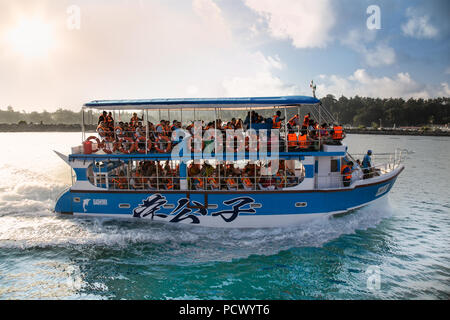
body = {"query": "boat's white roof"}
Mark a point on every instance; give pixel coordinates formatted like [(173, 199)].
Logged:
[(203, 103)]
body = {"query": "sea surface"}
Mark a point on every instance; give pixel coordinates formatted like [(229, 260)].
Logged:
[(398, 248)]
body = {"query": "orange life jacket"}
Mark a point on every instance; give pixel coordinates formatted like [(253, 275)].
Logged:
[(213, 182), (231, 182), (276, 125), (282, 180), (200, 181), (337, 135), (292, 139), (306, 121), (247, 182), (303, 141), (346, 176), (122, 183)]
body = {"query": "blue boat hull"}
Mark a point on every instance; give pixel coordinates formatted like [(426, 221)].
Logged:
[(224, 208)]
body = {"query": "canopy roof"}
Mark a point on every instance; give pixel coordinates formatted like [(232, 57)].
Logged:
[(203, 103)]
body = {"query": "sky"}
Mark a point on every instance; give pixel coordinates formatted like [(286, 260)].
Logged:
[(61, 54)]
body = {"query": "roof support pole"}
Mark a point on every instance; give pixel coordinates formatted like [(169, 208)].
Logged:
[(82, 126), (215, 132), (157, 174), (285, 130), (114, 125), (146, 130), (319, 124)]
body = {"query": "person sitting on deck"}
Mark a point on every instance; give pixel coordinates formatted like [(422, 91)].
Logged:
[(127, 131), (280, 179), (161, 128), (122, 182), (197, 183), (167, 170), (151, 131), (137, 181), (103, 130), (246, 182), (151, 183), (266, 183), (231, 182), (140, 130), (213, 182)]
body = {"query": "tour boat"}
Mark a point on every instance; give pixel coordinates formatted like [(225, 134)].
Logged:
[(280, 169)]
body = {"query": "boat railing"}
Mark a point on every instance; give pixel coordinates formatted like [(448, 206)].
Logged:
[(197, 183), (384, 163), (127, 142)]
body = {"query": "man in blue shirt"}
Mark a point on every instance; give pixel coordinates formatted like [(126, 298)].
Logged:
[(367, 164)]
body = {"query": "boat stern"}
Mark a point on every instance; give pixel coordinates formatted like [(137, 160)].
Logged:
[(64, 203)]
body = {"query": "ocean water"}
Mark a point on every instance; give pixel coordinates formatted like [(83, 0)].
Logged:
[(398, 248)]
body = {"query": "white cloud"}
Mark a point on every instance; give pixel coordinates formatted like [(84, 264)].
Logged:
[(379, 55), (211, 16), (444, 90), (307, 23), (362, 83), (418, 25), (259, 80)]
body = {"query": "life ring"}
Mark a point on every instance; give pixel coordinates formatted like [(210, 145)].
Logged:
[(168, 147), (99, 144), (105, 144), (130, 142), (102, 132), (142, 140), (118, 131)]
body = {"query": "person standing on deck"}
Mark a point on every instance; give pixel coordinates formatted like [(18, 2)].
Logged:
[(102, 117), (294, 121), (367, 164), (276, 120), (135, 119), (347, 173)]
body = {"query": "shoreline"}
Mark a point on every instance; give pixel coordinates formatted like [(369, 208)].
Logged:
[(91, 129)]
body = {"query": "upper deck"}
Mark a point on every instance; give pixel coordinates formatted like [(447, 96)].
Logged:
[(280, 133)]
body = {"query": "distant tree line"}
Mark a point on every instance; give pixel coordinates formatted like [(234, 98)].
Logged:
[(355, 111), (365, 111)]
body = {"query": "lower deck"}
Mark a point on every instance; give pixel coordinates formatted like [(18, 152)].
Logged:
[(226, 208)]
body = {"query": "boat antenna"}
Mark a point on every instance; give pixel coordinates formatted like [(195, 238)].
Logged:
[(313, 86)]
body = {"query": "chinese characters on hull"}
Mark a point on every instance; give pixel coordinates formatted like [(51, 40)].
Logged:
[(152, 205)]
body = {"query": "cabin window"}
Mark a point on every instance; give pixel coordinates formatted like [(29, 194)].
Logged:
[(301, 204), (334, 165), (124, 206)]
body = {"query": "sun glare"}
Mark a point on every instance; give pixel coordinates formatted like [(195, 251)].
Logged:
[(31, 38)]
